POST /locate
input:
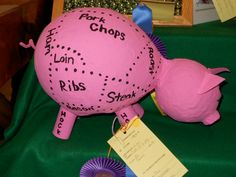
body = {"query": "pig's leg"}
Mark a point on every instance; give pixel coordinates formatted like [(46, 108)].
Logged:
[(128, 113), (211, 118), (64, 124), (138, 109)]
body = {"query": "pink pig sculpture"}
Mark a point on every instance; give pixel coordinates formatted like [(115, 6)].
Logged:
[(95, 60)]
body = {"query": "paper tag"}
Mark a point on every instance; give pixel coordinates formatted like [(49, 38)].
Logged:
[(144, 153), (226, 9)]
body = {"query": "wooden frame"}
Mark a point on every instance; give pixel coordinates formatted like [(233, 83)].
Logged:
[(57, 8), (186, 19)]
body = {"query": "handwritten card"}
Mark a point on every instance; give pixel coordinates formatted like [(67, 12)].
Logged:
[(226, 9), (144, 153)]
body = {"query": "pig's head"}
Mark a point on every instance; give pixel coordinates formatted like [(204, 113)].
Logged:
[(189, 92)]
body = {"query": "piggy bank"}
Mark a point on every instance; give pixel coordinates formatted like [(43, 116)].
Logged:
[(95, 60)]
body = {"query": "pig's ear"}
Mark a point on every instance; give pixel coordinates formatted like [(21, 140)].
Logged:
[(209, 82), (218, 70)]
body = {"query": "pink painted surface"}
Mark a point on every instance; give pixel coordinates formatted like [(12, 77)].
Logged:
[(95, 60)]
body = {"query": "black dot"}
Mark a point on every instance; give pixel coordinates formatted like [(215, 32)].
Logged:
[(134, 64), (75, 70), (106, 76), (50, 81), (105, 80), (102, 94), (84, 63), (141, 52), (102, 13), (137, 57), (56, 69), (61, 20), (123, 20), (105, 84), (51, 88), (136, 29), (120, 80), (103, 89), (50, 55), (74, 51), (110, 14), (78, 54), (94, 11), (52, 47), (138, 87), (68, 48), (50, 75), (58, 46), (118, 17), (91, 72), (66, 69), (50, 69), (50, 63), (100, 100), (127, 82), (130, 69), (62, 103), (133, 85), (68, 80), (83, 72), (73, 104), (113, 79), (99, 107), (62, 47), (81, 105), (59, 26), (127, 74), (100, 74)]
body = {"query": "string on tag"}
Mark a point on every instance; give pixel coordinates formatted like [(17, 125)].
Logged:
[(128, 125), (113, 125), (124, 129)]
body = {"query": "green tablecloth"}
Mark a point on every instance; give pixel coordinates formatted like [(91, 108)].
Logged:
[(30, 149)]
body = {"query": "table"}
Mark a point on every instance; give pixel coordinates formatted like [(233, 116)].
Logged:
[(31, 150)]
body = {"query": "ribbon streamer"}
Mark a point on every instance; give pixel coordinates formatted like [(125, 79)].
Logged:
[(142, 16)]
